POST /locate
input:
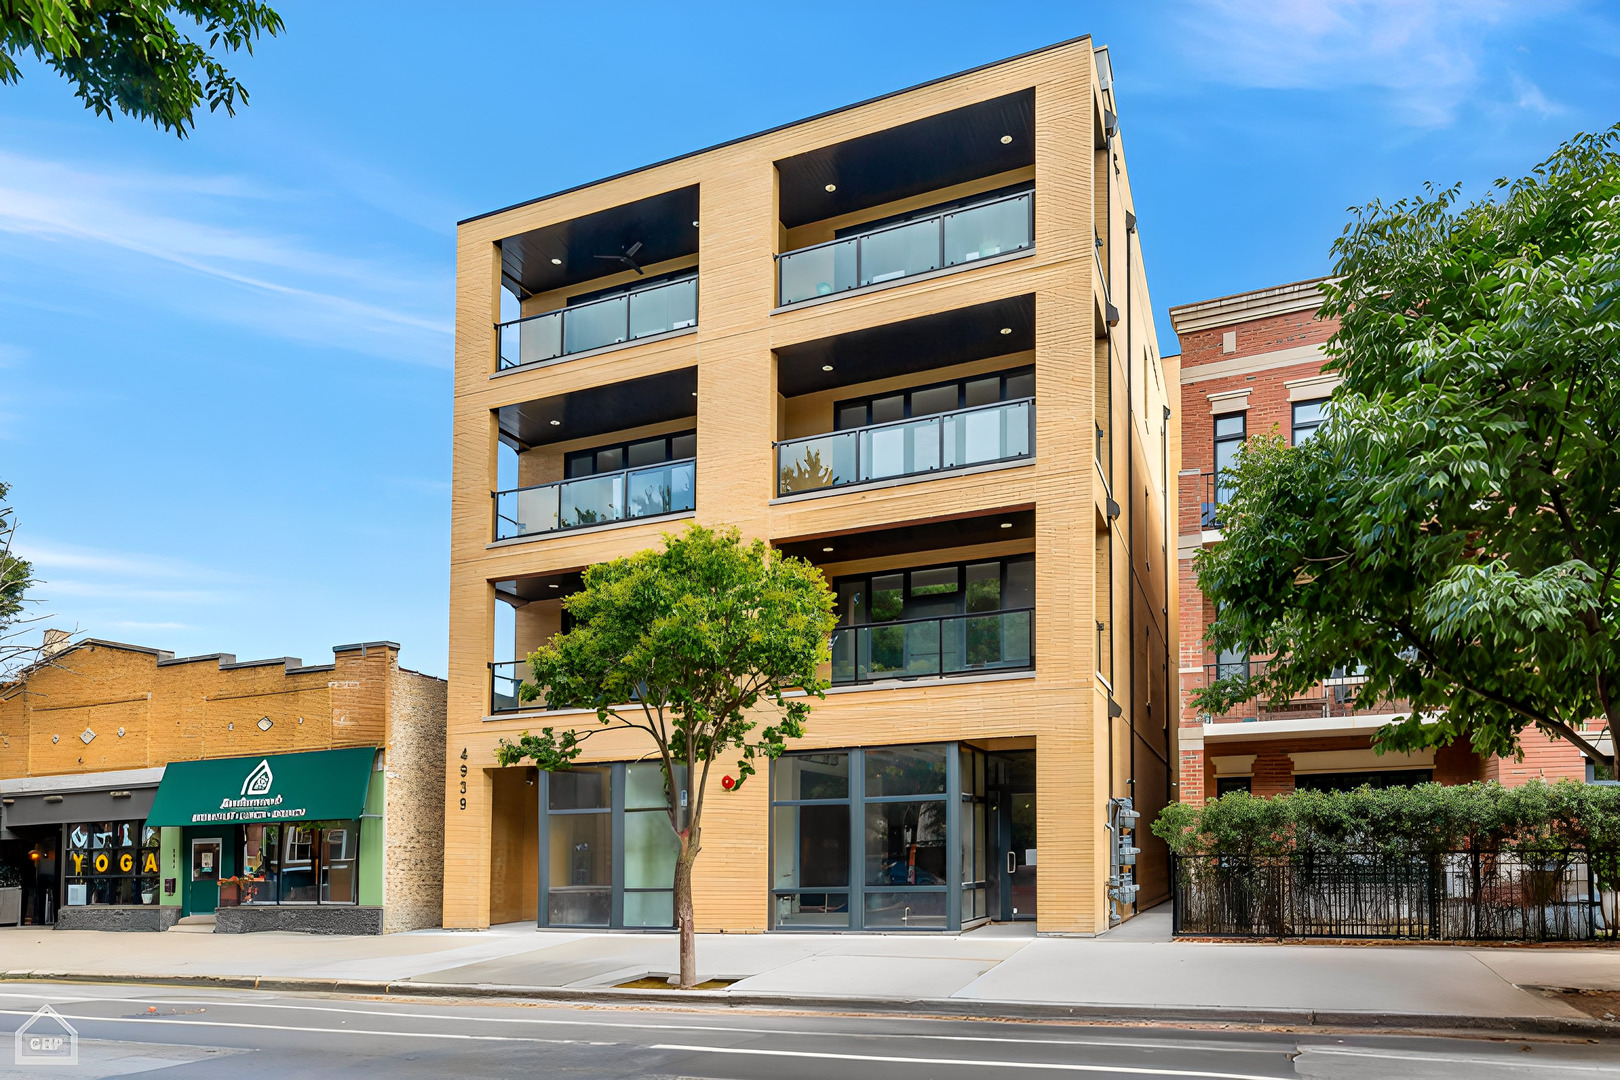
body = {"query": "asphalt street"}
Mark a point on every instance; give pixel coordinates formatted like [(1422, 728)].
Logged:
[(154, 1032)]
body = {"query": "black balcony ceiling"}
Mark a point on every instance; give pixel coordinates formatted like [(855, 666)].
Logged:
[(547, 587), (904, 348), (584, 414), (662, 224), (924, 155), (918, 540)]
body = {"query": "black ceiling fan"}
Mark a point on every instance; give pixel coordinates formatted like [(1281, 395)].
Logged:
[(628, 257)]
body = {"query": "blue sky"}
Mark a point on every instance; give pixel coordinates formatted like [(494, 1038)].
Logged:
[(225, 363)]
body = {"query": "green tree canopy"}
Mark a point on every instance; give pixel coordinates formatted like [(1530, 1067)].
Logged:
[(1454, 527), (129, 55), (692, 646)]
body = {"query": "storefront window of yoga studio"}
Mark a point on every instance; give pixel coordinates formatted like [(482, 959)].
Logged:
[(314, 863), (111, 862)]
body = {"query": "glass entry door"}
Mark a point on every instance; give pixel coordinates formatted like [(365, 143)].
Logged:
[(1012, 821)]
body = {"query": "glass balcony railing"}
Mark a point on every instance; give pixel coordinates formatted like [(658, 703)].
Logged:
[(504, 679), (595, 500), (656, 309), (1003, 431), (917, 648), (966, 235)]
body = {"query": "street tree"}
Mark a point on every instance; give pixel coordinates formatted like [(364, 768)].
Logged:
[(16, 575), (694, 647), (1452, 533), (130, 55)]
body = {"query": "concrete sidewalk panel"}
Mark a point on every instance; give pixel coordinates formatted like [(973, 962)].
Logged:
[(1339, 979), (1577, 969), (867, 977)]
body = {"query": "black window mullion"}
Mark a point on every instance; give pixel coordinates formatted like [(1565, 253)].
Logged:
[(857, 839)]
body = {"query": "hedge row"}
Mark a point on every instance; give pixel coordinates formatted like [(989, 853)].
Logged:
[(1538, 818)]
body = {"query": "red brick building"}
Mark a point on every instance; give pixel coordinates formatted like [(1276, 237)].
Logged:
[(1251, 364)]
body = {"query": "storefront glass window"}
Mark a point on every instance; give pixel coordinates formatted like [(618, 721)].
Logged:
[(865, 839), (111, 862), (313, 863), (609, 850)]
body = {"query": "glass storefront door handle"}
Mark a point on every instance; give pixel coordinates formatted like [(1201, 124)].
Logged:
[(1012, 861)]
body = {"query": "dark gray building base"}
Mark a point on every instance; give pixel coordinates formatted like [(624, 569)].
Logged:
[(323, 919), (150, 918)]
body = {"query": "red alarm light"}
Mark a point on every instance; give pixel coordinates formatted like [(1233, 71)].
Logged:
[(727, 782)]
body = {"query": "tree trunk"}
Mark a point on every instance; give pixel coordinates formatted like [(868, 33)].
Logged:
[(683, 913)]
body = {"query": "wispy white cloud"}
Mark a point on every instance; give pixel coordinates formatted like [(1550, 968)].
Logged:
[(210, 227), (99, 588), (1427, 56), (1530, 97)]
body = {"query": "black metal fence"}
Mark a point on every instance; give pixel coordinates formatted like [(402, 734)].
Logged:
[(1451, 896)]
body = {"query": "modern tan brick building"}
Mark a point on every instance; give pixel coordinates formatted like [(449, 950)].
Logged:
[(909, 340), (1251, 364), (137, 788)]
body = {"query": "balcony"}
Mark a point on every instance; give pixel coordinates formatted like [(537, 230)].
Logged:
[(1334, 697), (629, 316), (957, 237), (504, 680), (1216, 495), (1003, 431), (625, 495), (948, 645)]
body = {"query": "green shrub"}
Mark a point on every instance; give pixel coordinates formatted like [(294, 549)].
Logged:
[(1536, 819)]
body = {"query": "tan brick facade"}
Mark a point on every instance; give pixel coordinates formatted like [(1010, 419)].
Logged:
[(1060, 709)]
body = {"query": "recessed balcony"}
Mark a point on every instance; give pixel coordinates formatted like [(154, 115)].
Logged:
[(614, 277), (528, 613), (930, 196), (920, 243), (612, 454), (906, 613), (906, 401), (629, 315)]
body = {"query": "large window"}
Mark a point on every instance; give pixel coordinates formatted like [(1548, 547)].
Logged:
[(607, 847), (939, 398), (111, 862), (866, 839), (936, 620), (1308, 416), (1230, 429), (316, 862), (654, 450)]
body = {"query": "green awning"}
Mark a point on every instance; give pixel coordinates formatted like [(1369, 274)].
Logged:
[(320, 785)]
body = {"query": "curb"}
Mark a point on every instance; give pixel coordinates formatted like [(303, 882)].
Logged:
[(951, 1008)]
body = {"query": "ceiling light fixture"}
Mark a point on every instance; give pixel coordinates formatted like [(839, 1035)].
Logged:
[(553, 586), (556, 262), (832, 187), (556, 423), (826, 367), (1005, 139), (826, 549), (1005, 330), (1006, 524), (694, 224)]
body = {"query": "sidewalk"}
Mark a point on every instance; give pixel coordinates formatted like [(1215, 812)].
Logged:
[(1136, 973)]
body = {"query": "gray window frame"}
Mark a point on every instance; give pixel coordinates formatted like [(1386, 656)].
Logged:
[(951, 801), (616, 811)]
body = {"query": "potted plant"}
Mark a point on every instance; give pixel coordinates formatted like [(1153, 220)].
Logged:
[(230, 891), (10, 896)]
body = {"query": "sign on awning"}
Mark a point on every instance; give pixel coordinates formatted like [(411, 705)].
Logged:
[(319, 785)]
